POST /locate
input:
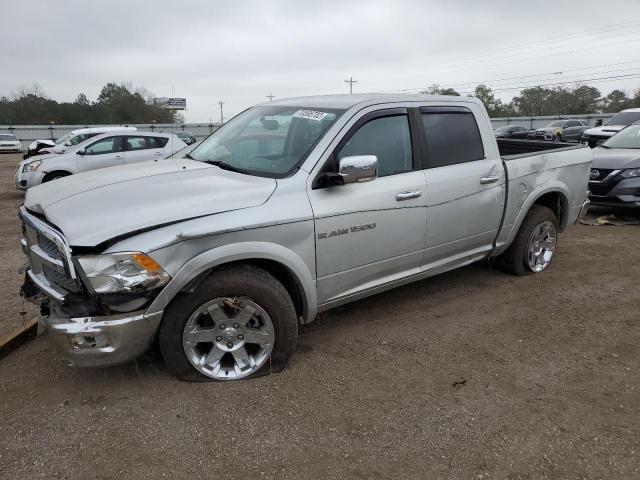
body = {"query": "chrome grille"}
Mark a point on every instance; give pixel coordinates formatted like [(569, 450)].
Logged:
[(49, 247), (61, 279), (50, 265)]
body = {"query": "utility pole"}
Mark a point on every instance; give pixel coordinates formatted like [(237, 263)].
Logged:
[(221, 117), (351, 81), (271, 96)]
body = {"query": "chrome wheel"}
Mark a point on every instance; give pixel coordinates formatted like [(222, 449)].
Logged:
[(228, 338), (542, 244)]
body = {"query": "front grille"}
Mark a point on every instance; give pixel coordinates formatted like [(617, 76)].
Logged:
[(49, 247), (602, 173), (600, 190), (61, 280), (49, 255)]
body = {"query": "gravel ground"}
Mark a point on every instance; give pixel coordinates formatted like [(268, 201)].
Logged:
[(472, 374)]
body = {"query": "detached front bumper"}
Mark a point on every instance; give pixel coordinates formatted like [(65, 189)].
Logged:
[(101, 341)]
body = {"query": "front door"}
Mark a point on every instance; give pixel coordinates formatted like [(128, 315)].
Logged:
[(465, 187), (371, 233), (106, 152)]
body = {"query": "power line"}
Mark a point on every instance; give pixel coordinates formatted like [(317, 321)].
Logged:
[(351, 81)]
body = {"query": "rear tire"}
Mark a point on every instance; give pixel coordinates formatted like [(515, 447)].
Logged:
[(535, 243), (249, 316)]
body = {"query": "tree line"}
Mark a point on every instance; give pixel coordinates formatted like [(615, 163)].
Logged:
[(538, 101), (116, 104)]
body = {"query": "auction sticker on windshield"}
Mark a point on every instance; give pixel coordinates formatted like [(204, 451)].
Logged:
[(310, 114)]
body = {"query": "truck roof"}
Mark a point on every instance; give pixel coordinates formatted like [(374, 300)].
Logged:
[(349, 100)]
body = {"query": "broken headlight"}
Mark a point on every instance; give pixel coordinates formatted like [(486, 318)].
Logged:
[(123, 272)]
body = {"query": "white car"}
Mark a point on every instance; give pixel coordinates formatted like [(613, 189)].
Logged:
[(104, 150), (596, 136), (74, 137), (9, 143)]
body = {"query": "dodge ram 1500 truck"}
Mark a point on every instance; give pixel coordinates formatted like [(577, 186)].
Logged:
[(291, 208)]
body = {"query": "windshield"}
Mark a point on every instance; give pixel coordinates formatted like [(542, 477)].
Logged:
[(557, 123), (502, 130), (269, 141), (626, 138), (624, 118), (63, 139), (183, 134), (7, 137)]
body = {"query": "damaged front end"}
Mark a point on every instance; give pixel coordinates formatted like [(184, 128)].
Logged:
[(92, 306)]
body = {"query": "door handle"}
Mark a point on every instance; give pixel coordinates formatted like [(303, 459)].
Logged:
[(485, 180), (118, 156), (408, 195)]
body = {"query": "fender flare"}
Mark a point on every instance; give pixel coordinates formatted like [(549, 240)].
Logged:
[(553, 186), (237, 252)]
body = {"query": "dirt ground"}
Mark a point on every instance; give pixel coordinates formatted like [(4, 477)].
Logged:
[(472, 374)]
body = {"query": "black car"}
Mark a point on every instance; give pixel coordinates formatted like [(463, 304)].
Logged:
[(511, 131), (186, 137), (615, 171)]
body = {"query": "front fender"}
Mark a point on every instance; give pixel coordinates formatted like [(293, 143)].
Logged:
[(237, 252)]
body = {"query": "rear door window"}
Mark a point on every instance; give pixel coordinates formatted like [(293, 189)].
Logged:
[(452, 136)]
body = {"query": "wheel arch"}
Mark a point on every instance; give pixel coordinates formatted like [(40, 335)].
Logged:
[(285, 265), (49, 175)]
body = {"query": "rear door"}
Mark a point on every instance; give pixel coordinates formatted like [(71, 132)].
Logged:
[(106, 152), (141, 148), (371, 233), (465, 185)]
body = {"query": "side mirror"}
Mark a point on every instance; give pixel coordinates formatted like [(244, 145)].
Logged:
[(68, 143), (358, 168), (81, 151), (599, 122)]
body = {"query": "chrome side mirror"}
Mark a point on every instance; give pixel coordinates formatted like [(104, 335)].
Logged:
[(358, 168)]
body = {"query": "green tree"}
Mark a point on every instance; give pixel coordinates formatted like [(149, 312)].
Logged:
[(616, 101), (435, 89), (494, 105)]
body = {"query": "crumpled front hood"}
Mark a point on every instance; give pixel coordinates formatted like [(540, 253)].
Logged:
[(96, 206), (615, 158)]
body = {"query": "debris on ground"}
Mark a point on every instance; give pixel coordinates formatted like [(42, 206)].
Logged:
[(610, 220)]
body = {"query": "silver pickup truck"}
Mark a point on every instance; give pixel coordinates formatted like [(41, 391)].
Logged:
[(291, 208)]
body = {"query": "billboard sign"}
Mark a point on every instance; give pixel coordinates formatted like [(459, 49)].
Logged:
[(171, 103)]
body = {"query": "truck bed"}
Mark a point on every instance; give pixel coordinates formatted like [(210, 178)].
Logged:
[(513, 148)]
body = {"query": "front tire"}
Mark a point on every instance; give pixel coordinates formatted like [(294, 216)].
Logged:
[(240, 322), (534, 246)]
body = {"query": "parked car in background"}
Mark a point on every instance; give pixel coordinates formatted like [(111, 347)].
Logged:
[(9, 143), (74, 137), (595, 136), (220, 256), (101, 151), (186, 137), (511, 131), (560, 131), (615, 171)]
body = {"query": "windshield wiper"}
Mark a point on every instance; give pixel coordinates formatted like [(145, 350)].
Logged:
[(225, 166), (188, 155), (603, 146)]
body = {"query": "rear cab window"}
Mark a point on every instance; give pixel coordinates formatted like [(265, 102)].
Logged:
[(451, 135)]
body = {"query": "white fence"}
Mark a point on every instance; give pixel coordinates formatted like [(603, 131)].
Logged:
[(537, 122), (28, 133)]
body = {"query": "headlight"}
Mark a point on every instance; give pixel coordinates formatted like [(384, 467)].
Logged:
[(631, 173), (31, 166), (123, 272)]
